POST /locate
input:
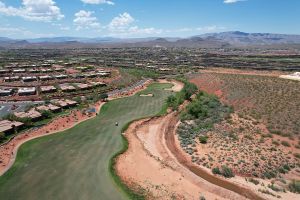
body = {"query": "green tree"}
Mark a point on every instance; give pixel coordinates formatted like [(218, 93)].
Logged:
[(2, 136), (46, 114), (189, 89), (103, 96)]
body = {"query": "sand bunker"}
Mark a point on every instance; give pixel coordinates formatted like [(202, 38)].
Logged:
[(291, 77), (177, 86), (146, 95)]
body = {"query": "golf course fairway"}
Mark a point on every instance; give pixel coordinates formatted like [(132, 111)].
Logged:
[(74, 164)]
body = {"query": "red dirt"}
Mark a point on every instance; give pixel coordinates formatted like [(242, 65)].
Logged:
[(166, 178)]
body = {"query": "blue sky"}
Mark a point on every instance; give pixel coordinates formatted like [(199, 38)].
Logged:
[(145, 18)]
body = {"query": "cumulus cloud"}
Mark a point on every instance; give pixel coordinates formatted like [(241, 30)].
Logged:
[(98, 2), (123, 25), (232, 1), (34, 10), (121, 22), (85, 20)]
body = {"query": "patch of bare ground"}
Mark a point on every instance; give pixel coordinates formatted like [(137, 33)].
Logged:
[(150, 165)]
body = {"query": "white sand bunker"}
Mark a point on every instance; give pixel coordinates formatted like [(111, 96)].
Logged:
[(146, 95), (295, 76)]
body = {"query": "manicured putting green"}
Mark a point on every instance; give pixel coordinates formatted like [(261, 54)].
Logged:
[(74, 164)]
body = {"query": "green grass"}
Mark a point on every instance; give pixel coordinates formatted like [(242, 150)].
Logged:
[(75, 164)]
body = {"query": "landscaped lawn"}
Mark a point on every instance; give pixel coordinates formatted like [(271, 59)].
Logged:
[(74, 164)]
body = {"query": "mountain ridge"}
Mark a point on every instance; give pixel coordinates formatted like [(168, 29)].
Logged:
[(209, 40)]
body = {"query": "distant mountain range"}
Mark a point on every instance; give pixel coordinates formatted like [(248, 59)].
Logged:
[(241, 38), (211, 40)]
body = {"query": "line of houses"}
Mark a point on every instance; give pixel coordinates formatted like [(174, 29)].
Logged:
[(34, 114), (53, 77), (66, 87)]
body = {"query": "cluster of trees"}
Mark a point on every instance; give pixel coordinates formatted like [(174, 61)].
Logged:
[(206, 106), (186, 93), (205, 110)]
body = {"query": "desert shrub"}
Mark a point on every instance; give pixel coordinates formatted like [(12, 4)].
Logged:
[(294, 186), (233, 136), (202, 197), (249, 137), (254, 174), (275, 142), (282, 170), (297, 155), (216, 170), (286, 167), (203, 139), (285, 143), (268, 175), (254, 181), (274, 188), (267, 192), (227, 172)]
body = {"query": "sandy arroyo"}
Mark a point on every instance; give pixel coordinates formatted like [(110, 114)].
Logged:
[(149, 164)]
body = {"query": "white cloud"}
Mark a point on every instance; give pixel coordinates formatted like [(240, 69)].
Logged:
[(34, 10), (20, 32), (232, 1), (98, 2), (85, 20), (121, 22), (122, 25)]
